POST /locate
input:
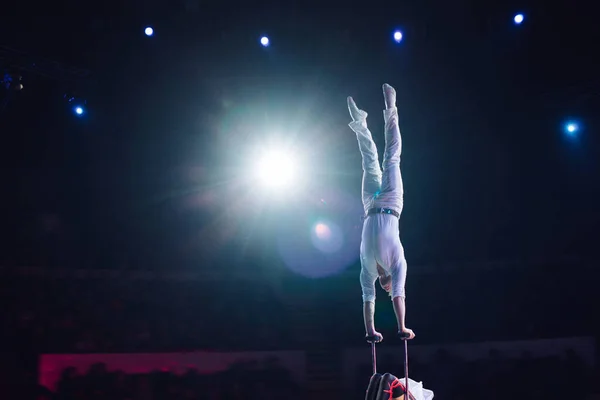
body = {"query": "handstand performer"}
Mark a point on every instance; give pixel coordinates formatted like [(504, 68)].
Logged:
[(381, 252)]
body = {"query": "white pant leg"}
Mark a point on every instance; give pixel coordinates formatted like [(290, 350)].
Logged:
[(371, 180), (392, 188), (392, 196)]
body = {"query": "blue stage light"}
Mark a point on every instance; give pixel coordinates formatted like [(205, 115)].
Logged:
[(397, 36), (572, 128), (519, 18)]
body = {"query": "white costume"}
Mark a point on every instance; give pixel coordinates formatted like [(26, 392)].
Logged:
[(382, 196), (417, 390), (388, 387)]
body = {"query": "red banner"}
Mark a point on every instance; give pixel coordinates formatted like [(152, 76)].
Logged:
[(52, 365)]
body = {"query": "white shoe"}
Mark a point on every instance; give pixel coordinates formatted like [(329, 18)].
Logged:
[(355, 113), (389, 94)]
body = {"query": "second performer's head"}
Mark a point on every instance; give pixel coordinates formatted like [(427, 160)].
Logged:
[(386, 282)]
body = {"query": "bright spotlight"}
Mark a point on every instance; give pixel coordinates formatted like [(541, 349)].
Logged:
[(78, 110), (276, 170), (519, 18), (397, 36), (264, 41), (149, 31)]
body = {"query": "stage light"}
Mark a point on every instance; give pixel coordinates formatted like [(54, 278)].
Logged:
[(571, 128), (76, 103), (11, 81), (78, 110), (276, 170), (397, 36), (264, 41), (519, 18), (149, 31)]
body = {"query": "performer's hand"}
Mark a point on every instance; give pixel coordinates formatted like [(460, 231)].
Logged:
[(378, 336), (407, 333)]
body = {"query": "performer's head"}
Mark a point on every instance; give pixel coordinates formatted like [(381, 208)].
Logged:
[(386, 282), (385, 386)]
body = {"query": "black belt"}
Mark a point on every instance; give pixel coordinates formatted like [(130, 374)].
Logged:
[(383, 211)]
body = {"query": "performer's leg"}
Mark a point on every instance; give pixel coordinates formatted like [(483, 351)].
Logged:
[(371, 181), (392, 188)]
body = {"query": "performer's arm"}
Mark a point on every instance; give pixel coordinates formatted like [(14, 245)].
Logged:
[(369, 316), (400, 310), (367, 282), (398, 298)]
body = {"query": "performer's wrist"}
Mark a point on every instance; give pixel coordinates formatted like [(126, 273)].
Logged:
[(372, 332)]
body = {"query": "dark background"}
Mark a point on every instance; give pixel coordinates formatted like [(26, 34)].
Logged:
[(145, 179), (489, 173)]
